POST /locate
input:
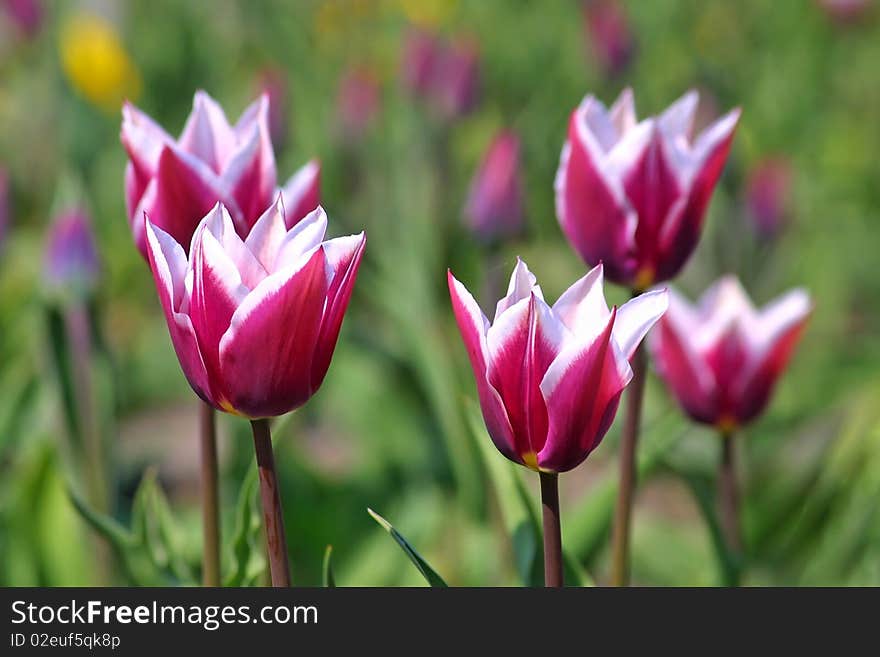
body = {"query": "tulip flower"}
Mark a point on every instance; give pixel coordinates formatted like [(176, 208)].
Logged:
[(495, 204), (633, 194), (177, 182), (767, 196), (457, 84), (721, 360), (71, 259), (549, 378), (722, 357), (421, 52), (27, 15), (357, 103), (254, 323), (611, 39)]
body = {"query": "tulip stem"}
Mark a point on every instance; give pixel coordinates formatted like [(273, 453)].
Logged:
[(728, 495), (273, 518), (625, 492), (552, 529), (210, 496)]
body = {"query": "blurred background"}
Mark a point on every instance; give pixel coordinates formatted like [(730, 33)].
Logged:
[(94, 408)]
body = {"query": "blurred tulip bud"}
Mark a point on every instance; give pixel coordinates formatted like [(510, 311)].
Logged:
[(254, 322), (495, 205), (722, 357), (609, 34), (846, 12), (633, 194), (357, 103), (549, 379), (96, 62), (272, 82), (71, 266), (421, 52), (458, 79), (767, 196), (26, 15), (177, 181)]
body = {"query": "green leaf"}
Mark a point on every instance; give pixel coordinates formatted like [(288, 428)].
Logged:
[(118, 536), (328, 578), (424, 568), (242, 544)]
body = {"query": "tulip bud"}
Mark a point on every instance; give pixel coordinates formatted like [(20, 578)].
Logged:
[(357, 103), (457, 84), (722, 357), (254, 322), (633, 194), (611, 40), (495, 206), (767, 196), (846, 12), (549, 379), (71, 265), (26, 15), (420, 56)]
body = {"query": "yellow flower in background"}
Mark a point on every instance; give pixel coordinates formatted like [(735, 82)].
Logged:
[(428, 13), (96, 63)]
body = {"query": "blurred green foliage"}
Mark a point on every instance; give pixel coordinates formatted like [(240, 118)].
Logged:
[(392, 427)]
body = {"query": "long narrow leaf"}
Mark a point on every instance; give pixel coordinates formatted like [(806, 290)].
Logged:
[(423, 566)]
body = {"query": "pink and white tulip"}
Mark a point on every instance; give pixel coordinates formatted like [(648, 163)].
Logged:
[(495, 203), (633, 194), (254, 322), (177, 182), (549, 378), (722, 357)]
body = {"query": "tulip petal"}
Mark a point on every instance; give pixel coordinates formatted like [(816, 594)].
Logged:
[(343, 260), (521, 344), (219, 223), (636, 317), (135, 186), (623, 112), (207, 134), (302, 193), (522, 284), (582, 389), (267, 235), (677, 120), (303, 237), (266, 354), (582, 307), (143, 140), (168, 264), (473, 324)]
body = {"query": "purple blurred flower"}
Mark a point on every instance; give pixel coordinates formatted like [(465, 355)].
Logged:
[(421, 52), (27, 15), (610, 36), (767, 195), (846, 12), (71, 263), (495, 205), (357, 102)]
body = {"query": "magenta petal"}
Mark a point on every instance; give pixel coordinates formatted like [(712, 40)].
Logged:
[(184, 194), (685, 373), (681, 234), (582, 389), (143, 140), (759, 384), (266, 355), (302, 193), (473, 325), (522, 343), (168, 264), (217, 291), (591, 217), (250, 177), (653, 188), (135, 186), (343, 259)]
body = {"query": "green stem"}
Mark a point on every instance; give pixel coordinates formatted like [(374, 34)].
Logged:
[(552, 529), (728, 498), (273, 518), (210, 496), (626, 490)]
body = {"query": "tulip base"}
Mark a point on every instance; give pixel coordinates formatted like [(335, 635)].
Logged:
[(210, 496), (273, 518), (552, 529), (626, 490)]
